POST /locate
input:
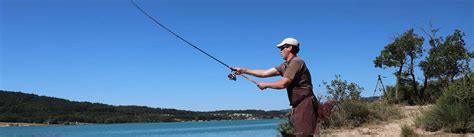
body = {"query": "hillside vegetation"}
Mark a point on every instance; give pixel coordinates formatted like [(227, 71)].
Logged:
[(31, 108)]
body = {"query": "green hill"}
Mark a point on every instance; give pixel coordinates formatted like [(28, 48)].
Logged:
[(31, 108)]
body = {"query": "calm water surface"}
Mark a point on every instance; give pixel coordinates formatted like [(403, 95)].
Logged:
[(234, 128)]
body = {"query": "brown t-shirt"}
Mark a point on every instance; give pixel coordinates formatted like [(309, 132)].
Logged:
[(301, 85)]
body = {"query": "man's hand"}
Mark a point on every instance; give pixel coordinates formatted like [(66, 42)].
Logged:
[(239, 71), (262, 85)]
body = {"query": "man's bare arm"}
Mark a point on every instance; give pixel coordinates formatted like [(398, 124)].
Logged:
[(262, 73), (280, 84)]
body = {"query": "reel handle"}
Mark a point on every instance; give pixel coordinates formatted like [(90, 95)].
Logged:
[(233, 76)]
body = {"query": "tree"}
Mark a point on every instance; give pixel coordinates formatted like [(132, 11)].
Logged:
[(446, 60), (413, 47), (405, 47), (339, 90)]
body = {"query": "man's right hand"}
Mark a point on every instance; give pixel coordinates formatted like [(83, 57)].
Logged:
[(239, 71)]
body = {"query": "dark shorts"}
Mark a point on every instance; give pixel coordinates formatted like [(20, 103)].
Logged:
[(304, 117)]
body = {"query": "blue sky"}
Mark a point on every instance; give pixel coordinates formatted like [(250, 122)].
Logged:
[(107, 51)]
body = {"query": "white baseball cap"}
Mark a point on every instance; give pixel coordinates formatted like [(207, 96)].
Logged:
[(289, 41)]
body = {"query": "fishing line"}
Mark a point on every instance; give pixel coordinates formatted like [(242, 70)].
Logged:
[(176, 35), (231, 76)]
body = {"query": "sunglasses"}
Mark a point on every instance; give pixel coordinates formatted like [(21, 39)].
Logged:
[(283, 47)]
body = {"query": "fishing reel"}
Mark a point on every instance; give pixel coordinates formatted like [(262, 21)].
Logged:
[(232, 76), (234, 73)]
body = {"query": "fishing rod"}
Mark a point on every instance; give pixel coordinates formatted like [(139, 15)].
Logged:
[(231, 76)]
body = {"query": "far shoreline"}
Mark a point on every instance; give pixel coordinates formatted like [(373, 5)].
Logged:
[(20, 124), (23, 124)]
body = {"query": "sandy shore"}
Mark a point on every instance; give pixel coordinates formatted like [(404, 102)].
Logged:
[(11, 124), (392, 128)]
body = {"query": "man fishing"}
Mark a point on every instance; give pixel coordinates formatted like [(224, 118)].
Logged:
[(296, 78)]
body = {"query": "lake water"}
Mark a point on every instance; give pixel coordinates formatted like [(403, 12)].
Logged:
[(233, 128)]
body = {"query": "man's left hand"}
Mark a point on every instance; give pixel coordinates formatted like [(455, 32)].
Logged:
[(262, 86)]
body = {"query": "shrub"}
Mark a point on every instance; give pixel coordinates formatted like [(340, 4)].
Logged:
[(325, 110), (335, 120), (428, 121), (356, 112), (382, 111), (407, 131), (453, 111), (406, 94), (330, 116), (285, 128), (346, 114), (433, 91)]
